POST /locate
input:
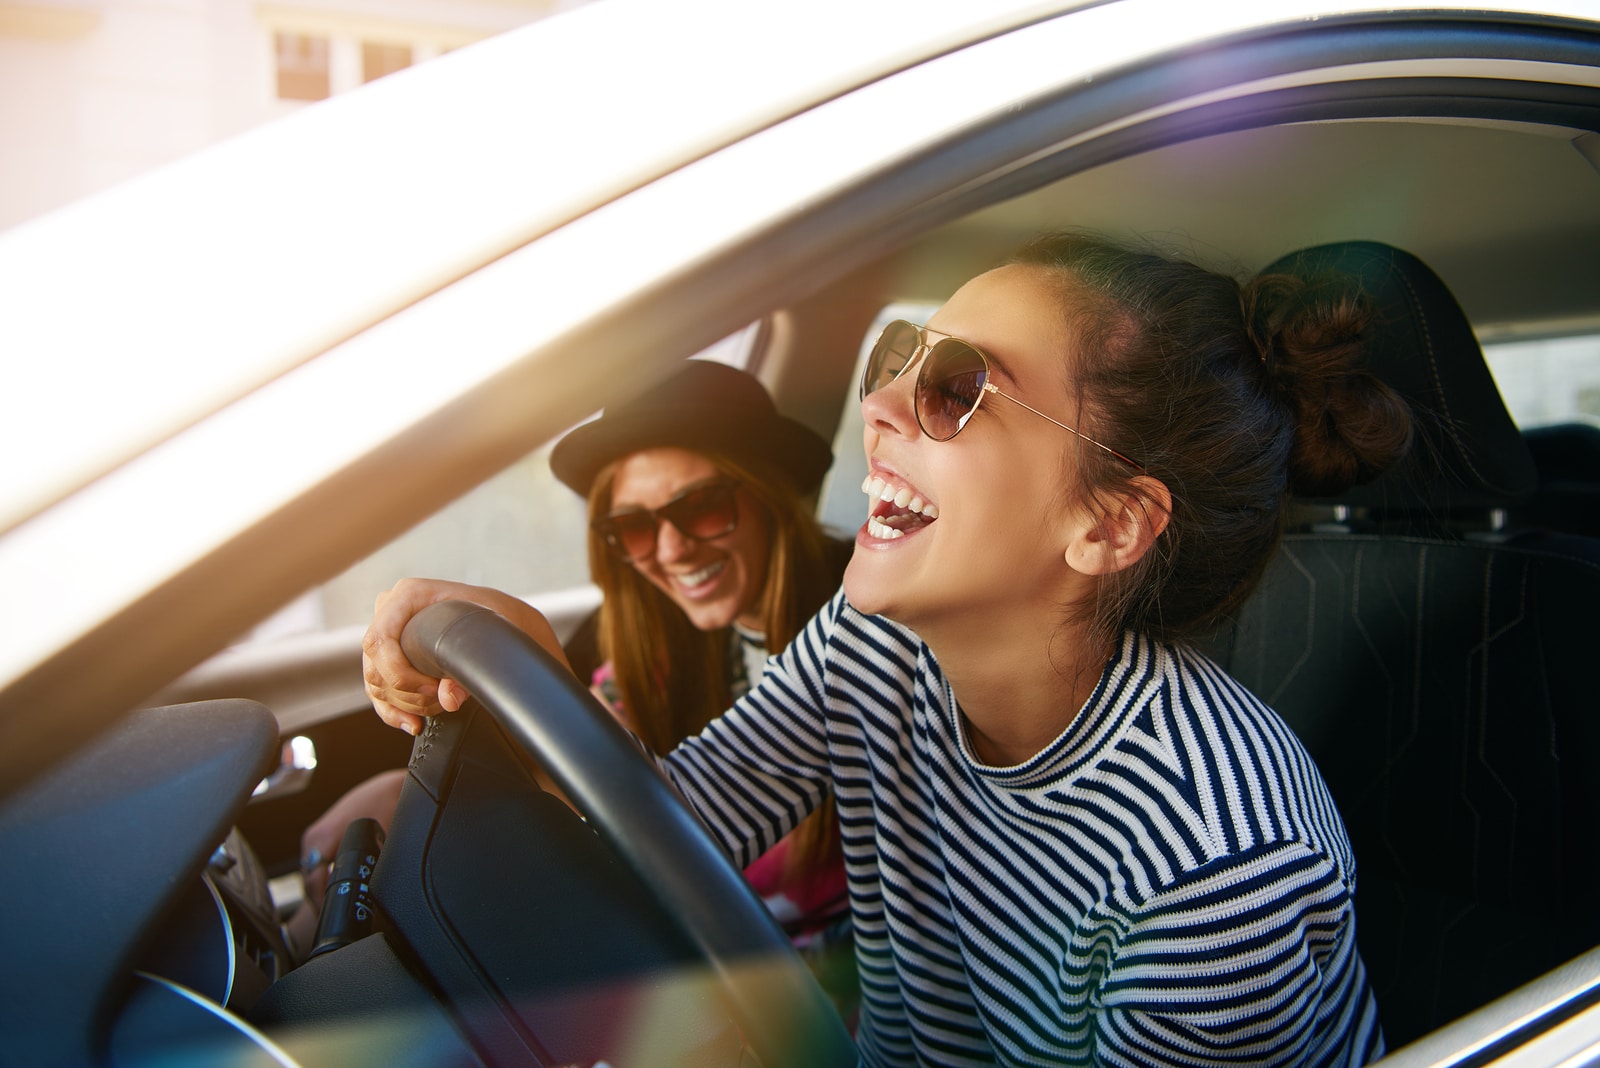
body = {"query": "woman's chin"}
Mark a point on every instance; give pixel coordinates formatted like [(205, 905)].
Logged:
[(710, 615), (867, 589)]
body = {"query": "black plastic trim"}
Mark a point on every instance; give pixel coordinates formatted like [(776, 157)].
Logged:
[(98, 849)]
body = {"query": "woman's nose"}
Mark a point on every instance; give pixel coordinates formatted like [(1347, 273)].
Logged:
[(892, 408)]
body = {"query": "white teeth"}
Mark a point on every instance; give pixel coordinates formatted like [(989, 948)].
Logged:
[(695, 578), (879, 530), (876, 488)]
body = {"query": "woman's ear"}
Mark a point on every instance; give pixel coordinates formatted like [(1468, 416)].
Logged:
[(1118, 531)]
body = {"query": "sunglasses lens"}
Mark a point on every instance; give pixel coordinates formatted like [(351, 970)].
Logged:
[(894, 349), (704, 513), (633, 534), (949, 388), (701, 514)]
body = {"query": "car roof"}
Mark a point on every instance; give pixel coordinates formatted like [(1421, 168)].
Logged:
[(240, 373)]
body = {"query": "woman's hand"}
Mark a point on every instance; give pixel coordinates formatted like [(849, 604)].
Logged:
[(402, 695), (319, 845)]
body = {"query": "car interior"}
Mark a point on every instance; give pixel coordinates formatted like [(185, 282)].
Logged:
[(1429, 653), (1425, 635)]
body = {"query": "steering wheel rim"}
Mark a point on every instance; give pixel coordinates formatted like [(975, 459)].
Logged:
[(784, 1015)]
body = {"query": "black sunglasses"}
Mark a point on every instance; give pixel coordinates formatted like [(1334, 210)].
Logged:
[(951, 384), (700, 514)]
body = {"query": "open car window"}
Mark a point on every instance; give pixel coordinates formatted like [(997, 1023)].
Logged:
[(521, 530)]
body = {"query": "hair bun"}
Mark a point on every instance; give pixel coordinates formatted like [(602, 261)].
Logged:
[(1349, 425)]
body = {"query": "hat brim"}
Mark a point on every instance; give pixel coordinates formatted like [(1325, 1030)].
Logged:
[(776, 442)]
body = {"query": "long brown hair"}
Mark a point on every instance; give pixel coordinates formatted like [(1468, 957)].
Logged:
[(672, 676)]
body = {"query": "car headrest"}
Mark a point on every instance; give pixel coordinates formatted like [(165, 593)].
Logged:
[(1468, 452)]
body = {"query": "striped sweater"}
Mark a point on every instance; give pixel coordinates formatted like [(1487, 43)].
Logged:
[(1167, 882)]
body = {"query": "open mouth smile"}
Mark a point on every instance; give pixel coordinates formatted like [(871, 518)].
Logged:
[(693, 580), (897, 510)]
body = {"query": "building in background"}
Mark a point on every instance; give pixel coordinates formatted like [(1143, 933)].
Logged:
[(93, 92)]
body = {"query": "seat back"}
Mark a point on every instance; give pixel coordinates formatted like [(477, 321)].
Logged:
[(1437, 671)]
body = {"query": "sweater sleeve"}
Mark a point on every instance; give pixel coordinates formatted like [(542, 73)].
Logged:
[(1251, 960), (758, 769)]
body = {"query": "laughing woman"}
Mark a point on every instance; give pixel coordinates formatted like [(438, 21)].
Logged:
[(1071, 838), (708, 556)]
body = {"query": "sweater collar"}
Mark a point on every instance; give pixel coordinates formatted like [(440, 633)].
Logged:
[(1127, 684)]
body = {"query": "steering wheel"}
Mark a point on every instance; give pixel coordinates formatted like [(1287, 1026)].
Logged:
[(785, 1018)]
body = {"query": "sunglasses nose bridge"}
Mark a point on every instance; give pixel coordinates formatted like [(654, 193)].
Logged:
[(911, 373), (872, 380), (919, 354), (670, 542)]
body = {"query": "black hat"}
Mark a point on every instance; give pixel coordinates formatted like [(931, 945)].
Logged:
[(703, 406)]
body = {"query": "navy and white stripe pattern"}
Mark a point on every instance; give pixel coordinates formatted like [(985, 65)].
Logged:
[(1167, 883)]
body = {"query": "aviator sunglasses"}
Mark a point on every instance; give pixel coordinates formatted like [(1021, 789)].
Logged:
[(699, 514), (950, 385)]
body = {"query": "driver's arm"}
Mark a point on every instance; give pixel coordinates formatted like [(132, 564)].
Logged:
[(761, 767)]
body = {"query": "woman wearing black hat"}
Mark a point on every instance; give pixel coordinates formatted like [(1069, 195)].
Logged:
[(708, 556), (698, 497)]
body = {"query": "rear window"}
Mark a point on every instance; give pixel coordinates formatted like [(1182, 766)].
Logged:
[(1548, 380)]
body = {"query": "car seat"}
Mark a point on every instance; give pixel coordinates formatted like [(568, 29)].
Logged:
[(1436, 664)]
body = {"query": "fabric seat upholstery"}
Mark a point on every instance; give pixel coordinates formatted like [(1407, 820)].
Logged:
[(1440, 674)]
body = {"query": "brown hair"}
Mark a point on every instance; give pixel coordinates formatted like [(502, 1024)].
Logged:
[(672, 676), (1234, 397)]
